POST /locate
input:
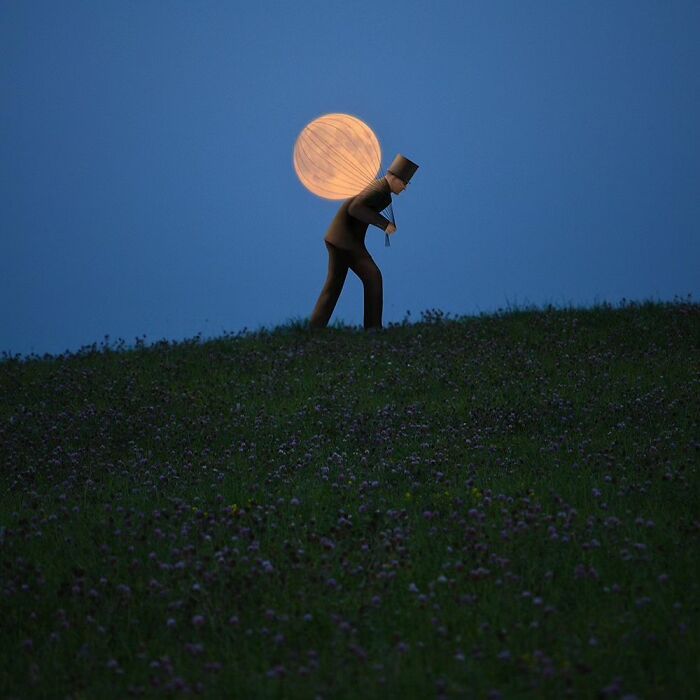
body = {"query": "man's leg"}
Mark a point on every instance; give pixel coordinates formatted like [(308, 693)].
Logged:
[(337, 272), (366, 269)]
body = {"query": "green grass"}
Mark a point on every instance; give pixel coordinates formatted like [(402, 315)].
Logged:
[(494, 506)]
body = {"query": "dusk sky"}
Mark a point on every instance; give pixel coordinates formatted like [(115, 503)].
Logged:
[(146, 177)]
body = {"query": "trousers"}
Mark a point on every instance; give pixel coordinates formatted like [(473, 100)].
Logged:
[(362, 264)]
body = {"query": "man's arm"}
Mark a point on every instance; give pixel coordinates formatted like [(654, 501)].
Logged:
[(361, 208)]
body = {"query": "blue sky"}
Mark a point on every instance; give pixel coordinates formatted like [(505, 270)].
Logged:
[(147, 187)]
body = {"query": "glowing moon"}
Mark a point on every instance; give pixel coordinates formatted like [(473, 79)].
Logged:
[(336, 156)]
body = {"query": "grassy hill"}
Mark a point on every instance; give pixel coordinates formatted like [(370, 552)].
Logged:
[(492, 507)]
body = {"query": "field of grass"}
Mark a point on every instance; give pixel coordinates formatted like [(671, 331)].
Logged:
[(502, 506)]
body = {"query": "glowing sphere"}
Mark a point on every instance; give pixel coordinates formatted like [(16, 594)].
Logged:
[(336, 156)]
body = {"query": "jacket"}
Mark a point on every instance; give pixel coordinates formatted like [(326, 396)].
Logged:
[(349, 227)]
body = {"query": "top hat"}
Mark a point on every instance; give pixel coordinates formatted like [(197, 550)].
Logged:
[(403, 168)]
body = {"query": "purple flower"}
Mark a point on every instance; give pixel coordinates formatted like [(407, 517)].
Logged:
[(278, 671), (194, 649)]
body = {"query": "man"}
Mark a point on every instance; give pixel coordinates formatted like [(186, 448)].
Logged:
[(345, 242)]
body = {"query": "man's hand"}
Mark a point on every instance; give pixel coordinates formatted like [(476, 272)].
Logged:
[(390, 228)]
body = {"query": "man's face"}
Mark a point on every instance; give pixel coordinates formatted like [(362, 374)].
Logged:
[(398, 185)]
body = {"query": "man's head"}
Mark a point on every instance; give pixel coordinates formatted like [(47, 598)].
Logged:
[(396, 184), (399, 173)]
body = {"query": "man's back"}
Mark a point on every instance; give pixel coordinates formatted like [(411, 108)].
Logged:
[(349, 226)]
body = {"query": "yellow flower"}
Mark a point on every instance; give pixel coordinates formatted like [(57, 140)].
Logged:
[(527, 659), (408, 496)]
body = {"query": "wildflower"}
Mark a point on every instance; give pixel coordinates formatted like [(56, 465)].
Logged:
[(479, 572), (359, 652), (277, 672), (194, 649)]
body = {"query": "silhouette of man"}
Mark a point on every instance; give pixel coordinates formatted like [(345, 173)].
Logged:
[(345, 242)]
